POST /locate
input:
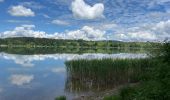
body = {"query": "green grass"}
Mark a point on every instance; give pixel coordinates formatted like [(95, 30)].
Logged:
[(60, 98), (104, 74), (115, 97)]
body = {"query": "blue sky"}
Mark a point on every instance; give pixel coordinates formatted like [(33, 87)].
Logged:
[(126, 20)]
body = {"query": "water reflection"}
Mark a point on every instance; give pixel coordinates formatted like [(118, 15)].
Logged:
[(48, 76), (26, 60), (1, 90), (20, 80), (59, 70)]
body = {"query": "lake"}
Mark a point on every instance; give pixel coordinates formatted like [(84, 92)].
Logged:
[(45, 76)]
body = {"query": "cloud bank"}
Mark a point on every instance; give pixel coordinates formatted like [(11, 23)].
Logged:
[(86, 33), (148, 32)]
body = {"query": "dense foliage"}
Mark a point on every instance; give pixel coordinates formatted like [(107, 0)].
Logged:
[(44, 42)]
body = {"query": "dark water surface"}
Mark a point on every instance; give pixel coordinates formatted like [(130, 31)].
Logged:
[(44, 76)]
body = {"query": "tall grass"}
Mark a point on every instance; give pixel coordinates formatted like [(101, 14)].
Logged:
[(103, 74), (155, 84), (60, 98), (152, 74)]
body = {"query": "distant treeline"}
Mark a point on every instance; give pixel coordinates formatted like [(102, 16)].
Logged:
[(45, 42)]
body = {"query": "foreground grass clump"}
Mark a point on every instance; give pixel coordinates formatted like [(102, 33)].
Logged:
[(103, 74), (60, 98)]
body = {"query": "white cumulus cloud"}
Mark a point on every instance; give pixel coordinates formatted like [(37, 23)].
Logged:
[(86, 33), (136, 36), (141, 36), (84, 11), (20, 11), (23, 31)]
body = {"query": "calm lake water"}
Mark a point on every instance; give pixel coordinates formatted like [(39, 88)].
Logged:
[(44, 77)]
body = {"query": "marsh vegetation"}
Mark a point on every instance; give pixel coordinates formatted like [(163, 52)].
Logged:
[(152, 75), (103, 74)]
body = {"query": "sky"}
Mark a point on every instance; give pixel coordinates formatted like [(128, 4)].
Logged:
[(123, 20)]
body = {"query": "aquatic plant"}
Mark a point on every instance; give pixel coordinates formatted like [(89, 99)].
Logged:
[(103, 74), (155, 83), (60, 98)]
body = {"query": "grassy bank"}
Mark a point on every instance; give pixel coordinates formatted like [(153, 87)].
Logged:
[(154, 85), (152, 74)]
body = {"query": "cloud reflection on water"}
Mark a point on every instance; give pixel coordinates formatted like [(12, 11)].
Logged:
[(27, 60), (58, 70), (19, 79)]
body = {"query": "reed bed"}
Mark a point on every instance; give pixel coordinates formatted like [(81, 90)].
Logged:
[(155, 83), (60, 98), (103, 74)]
